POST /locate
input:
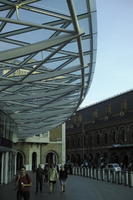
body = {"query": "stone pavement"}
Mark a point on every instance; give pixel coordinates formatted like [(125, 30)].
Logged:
[(77, 188)]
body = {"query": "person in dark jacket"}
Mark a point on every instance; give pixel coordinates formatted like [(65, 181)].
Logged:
[(39, 178), (46, 169), (63, 177)]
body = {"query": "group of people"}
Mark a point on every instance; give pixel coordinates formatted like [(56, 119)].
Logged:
[(50, 174)]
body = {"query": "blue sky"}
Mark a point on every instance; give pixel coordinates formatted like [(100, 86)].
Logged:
[(114, 65)]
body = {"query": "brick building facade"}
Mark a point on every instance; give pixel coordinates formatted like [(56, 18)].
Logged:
[(102, 133)]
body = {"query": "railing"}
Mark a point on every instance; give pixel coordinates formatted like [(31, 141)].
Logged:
[(122, 177)]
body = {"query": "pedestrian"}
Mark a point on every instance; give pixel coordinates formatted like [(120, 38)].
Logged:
[(63, 177), (46, 168), (23, 184), (39, 178), (52, 177)]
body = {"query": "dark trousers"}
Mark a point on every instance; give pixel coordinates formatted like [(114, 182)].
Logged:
[(23, 195), (39, 185)]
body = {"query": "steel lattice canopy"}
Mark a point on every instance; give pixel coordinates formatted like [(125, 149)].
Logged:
[(47, 59)]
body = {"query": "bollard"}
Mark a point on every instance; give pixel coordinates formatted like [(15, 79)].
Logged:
[(78, 171), (87, 171), (125, 177), (116, 177), (108, 175), (130, 179), (120, 177), (113, 176), (83, 171), (96, 174), (91, 172), (73, 170), (102, 174)]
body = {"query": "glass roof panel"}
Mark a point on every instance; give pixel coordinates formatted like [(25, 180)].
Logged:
[(47, 59)]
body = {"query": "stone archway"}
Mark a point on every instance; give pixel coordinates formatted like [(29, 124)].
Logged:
[(51, 158)]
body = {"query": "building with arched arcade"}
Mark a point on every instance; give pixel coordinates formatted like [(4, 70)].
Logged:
[(41, 149), (102, 133)]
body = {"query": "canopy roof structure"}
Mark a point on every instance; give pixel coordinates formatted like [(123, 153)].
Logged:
[(47, 60)]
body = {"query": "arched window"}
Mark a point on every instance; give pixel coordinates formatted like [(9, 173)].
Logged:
[(98, 138), (90, 140), (85, 142), (78, 142), (122, 134), (105, 138), (113, 134), (131, 132), (73, 142)]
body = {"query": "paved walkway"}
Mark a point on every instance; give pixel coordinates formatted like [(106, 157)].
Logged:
[(77, 188)]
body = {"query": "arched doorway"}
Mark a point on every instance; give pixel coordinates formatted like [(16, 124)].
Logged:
[(20, 160), (34, 161), (51, 158)]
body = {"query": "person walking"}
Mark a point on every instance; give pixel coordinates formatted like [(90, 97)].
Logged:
[(63, 177), (23, 184), (39, 178), (46, 169), (52, 177)]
